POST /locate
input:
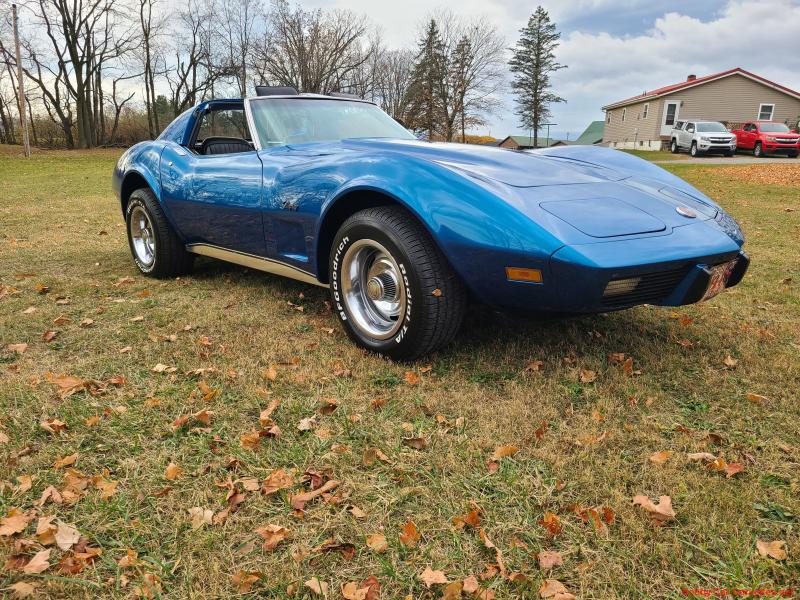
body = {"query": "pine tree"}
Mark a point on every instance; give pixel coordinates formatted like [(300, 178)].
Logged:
[(430, 69), (532, 64)]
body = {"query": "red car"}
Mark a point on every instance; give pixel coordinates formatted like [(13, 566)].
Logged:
[(766, 137)]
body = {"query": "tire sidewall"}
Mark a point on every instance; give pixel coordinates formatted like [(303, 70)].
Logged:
[(674, 147), (693, 150), (412, 319), (134, 202), (758, 151)]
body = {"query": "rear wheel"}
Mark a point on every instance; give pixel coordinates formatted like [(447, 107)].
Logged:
[(728, 153), (757, 151), (693, 149), (673, 146), (393, 290), (156, 248)]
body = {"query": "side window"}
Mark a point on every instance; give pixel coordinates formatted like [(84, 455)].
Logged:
[(690, 127), (749, 127), (679, 125), (230, 123)]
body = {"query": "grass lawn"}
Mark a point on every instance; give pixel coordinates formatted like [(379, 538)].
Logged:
[(154, 454)]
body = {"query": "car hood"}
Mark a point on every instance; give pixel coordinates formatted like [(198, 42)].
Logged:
[(596, 193), (518, 169)]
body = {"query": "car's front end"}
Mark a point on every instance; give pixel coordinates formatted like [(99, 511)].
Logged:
[(788, 144), (716, 142), (603, 236)]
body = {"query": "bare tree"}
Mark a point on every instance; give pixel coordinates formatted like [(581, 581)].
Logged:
[(392, 80), (239, 22), (149, 58), (313, 51)]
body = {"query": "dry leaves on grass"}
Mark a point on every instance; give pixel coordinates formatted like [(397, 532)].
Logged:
[(299, 501), (767, 174), (22, 589), (661, 457), (320, 588), (172, 472), (273, 535), (660, 513), (430, 577), (549, 559), (776, 549), (409, 535), (554, 590), (200, 517), (377, 542), (244, 580)]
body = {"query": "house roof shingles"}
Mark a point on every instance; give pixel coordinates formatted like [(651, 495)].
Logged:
[(668, 89)]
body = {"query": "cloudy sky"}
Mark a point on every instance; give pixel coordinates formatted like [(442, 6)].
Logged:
[(617, 48)]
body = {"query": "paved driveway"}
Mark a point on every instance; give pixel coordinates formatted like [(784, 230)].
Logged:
[(733, 160)]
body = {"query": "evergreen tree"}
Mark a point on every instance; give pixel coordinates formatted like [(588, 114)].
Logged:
[(424, 105), (532, 64)]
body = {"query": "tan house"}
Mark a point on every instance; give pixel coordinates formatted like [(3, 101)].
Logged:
[(644, 122)]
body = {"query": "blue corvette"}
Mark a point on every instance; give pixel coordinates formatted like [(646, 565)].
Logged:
[(330, 190)]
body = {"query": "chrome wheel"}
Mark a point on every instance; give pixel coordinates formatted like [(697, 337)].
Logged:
[(373, 289), (142, 237)]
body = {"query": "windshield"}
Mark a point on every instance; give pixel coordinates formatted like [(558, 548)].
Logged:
[(773, 127), (711, 127), (284, 121)]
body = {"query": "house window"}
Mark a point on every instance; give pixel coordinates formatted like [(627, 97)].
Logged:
[(645, 110), (672, 108), (608, 116), (765, 112), (623, 114)]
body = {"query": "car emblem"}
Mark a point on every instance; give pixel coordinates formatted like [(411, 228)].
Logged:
[(686, 212)]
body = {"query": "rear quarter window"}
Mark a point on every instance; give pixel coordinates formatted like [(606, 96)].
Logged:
[(175, 131)]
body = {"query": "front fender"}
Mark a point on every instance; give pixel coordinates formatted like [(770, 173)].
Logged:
[(478, 231), (139, 162)]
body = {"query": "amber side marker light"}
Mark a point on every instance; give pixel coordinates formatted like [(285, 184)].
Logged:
[(520, 274)]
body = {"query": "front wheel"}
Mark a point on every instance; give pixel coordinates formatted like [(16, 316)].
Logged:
[(156, 248), (757, 150), (793, 155), (673, 147), (693, 149), (392, 289)]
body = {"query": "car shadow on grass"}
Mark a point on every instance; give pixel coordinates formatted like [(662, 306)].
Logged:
[(506, 337)]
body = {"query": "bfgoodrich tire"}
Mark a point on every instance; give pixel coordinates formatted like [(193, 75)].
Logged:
[(155, 247), (392, 289)]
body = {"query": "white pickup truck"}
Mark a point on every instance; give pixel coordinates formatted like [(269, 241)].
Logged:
[(702, 137)]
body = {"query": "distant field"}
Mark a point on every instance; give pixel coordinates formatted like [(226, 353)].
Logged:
[(656, 154), (154, 453)]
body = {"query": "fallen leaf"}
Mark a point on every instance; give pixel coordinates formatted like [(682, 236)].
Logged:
[(661, 457), (66, 536), (307, 424), (417, 443), (504, 451), (411, 378), (200, 516), (39, 562), (437, 292), (730, 362), (588, 376), (277, 480), (659, 513), (377, 542), (549, 559), (22, 589), (409, 535), (553, 588), (701, 456), (298, 502), (320, 588), (18, 348), (250, 441), (46, 531), (776, 549), (66, 461), (172, 472), (107, 487), (471, 585), (14, 522), (49, 335), (733, 469), (430, 577), (756, 398), (273, 535), (244, 580), (25, 482), (551, 522)]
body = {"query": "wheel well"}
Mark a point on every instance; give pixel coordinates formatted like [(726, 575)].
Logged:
[(347, 205), (132, 182)]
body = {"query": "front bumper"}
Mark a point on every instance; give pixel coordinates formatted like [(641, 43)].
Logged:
[(774, 148), (710, 146)]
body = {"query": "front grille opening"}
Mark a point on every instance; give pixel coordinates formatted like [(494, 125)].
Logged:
[(650, 288)]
